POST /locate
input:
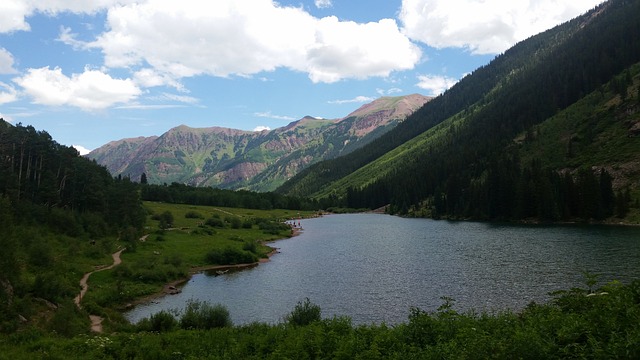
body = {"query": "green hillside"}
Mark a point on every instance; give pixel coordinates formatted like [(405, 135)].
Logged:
[(456, 157)]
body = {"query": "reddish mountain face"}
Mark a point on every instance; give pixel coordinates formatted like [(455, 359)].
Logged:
[(261, 161)]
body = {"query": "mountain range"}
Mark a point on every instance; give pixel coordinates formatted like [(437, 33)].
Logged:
[(261, 161), (549, 130)]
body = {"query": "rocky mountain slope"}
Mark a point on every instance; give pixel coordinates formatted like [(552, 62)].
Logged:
[(261, 161)]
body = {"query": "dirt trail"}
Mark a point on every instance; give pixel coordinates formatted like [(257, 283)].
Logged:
[(96, 321)]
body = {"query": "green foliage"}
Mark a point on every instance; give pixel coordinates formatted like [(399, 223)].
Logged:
[(69, 321), (229, 256), (193, 215), (304, 313), (215, 222), (53, 286), (166, 220), (202, 315), (250, 246), (183, 194), (272, 227), (160, 322), (573, 325)]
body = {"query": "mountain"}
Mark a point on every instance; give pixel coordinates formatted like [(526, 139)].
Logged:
[(261, 161), (546, 130)]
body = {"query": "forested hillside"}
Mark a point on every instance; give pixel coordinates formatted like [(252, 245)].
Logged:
[(59, 213), (458, 156)]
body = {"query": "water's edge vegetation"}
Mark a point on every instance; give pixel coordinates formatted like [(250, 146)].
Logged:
[(578, 323)]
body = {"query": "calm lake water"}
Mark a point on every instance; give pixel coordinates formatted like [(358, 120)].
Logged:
[(374, 268)]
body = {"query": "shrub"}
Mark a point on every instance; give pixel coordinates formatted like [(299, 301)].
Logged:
[(235, 222), (162, 321), (68, 320), (229, 256), (272, 227), (166, 220), (304, 313), (247, 224), (215, 222), (250, 246), (202, 315), (193, 215)]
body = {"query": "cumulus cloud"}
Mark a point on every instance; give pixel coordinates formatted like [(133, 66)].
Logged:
[(90, 90), (357, 99), (6, 62), (261, 128), (7, 93), (484, 26), (81, 149), (435, 84), (243, 38), (14, 13), (321, 4)]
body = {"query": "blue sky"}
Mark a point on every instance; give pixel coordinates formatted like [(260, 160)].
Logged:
[(92, 71)]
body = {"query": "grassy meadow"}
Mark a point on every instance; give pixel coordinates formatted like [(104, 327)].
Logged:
[(194, 238)]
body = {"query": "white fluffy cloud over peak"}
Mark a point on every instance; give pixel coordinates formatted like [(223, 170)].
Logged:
[(484, 26), (90, 90), (228, 37), (348, 49)]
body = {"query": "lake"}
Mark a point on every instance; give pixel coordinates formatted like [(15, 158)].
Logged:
[(374, 268)]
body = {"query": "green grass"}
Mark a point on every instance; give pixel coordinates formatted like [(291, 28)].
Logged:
[(170, 255)]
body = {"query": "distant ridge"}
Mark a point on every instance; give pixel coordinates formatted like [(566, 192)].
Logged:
[(230, 158)]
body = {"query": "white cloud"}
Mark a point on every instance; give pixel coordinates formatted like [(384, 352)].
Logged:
[(90, 90), (179, 98), (357, 99), (7, 93), (151, 78), (6, 62), (268, 114), (261, 128), (383, 92), (81, 149), (435, 84), (484, 26), (149, 107), (243, 38), (322, 4), (14, 13)]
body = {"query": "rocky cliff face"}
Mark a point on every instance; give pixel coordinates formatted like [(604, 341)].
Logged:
[(261, 161)]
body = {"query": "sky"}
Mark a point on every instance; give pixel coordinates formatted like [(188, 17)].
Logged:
[(93, 71)]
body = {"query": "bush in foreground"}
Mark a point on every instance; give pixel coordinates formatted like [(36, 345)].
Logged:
[(602, 324), (304, 313), (202, 315)]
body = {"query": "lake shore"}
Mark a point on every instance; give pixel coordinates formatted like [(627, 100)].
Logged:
[(173, 287)]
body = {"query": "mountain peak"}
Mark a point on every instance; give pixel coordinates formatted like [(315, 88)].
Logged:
[(402, 106), (232, 158)]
